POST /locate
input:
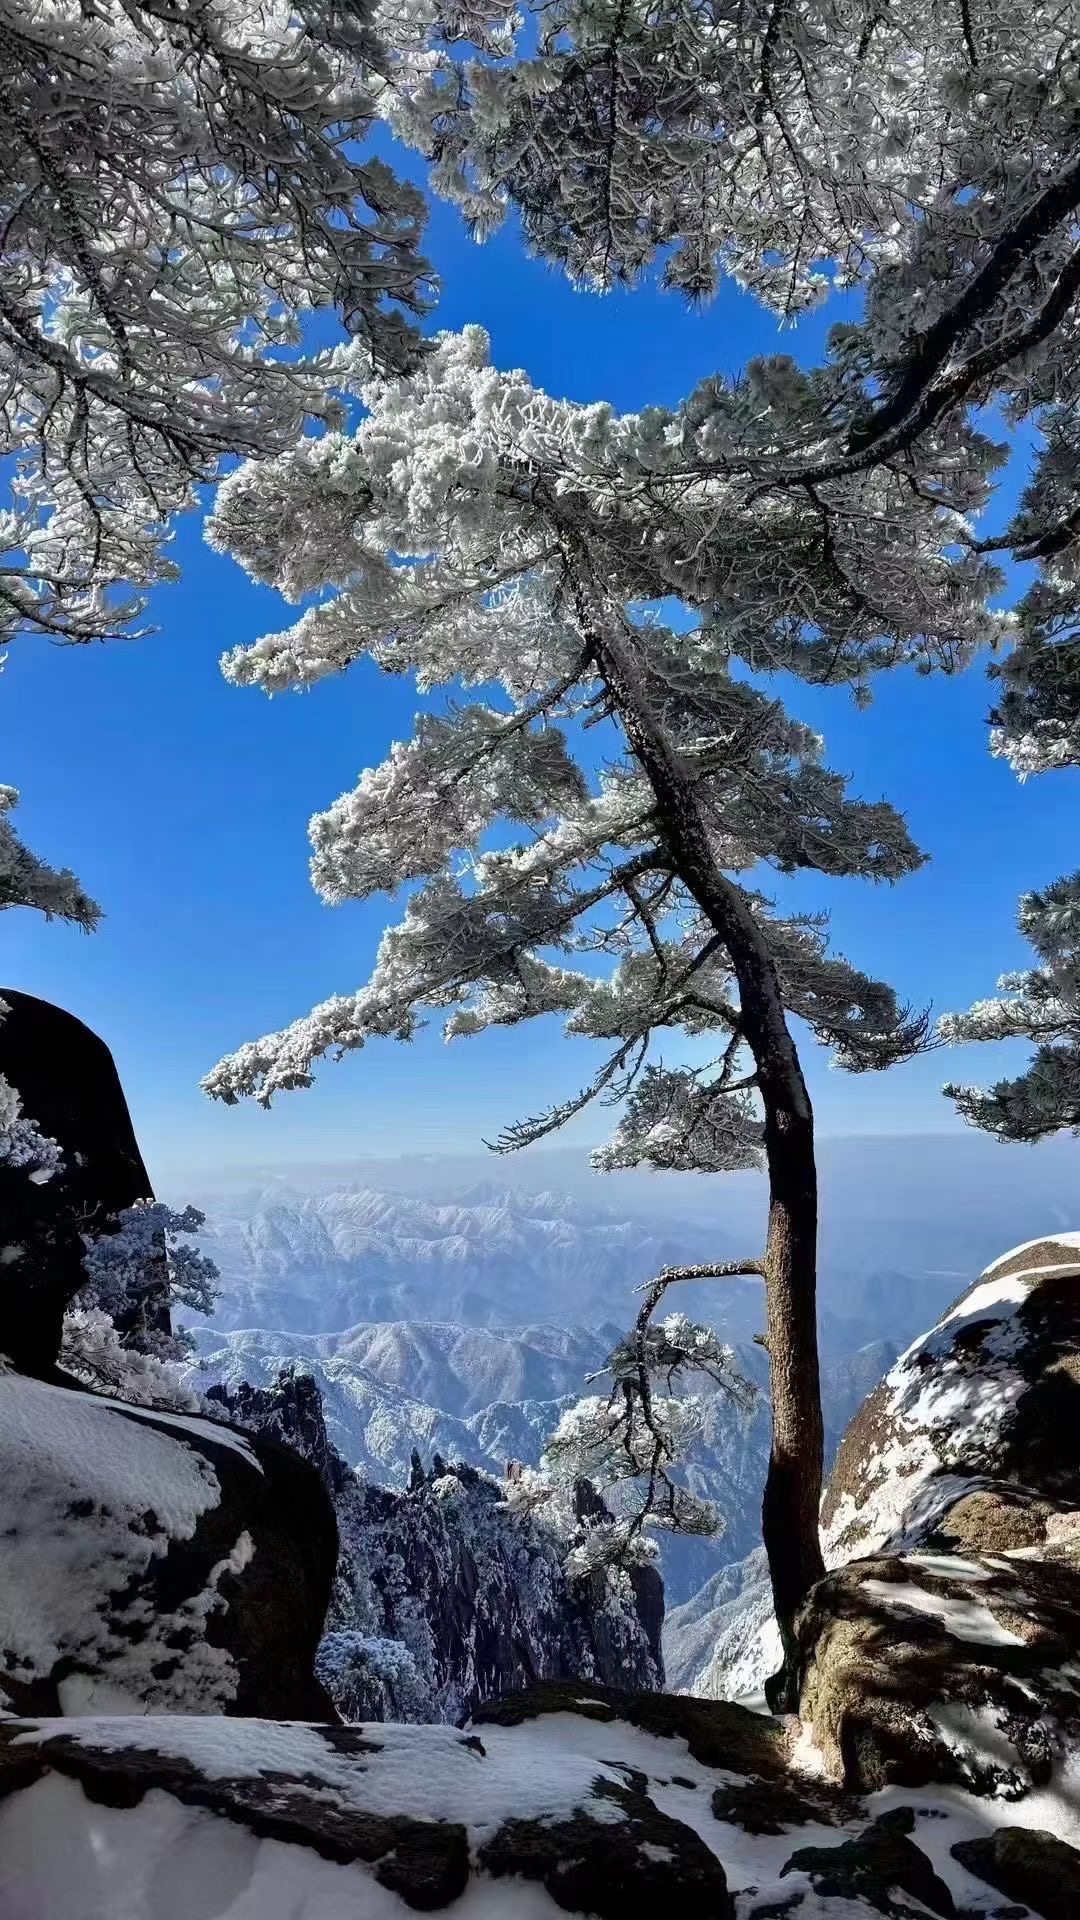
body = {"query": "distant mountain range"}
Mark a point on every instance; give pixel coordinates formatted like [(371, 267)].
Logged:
[(318, 1263), (474, 1311), (489, 1395), (315, 1264)]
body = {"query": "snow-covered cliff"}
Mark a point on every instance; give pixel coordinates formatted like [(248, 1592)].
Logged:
[(448, 1593)]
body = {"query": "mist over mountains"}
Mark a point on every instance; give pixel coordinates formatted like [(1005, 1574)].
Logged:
[(541, 1239)]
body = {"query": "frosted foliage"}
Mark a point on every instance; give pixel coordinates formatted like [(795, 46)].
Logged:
[(93, 1351), (411, 813), (23, 1146), (474, 530), (597, 1439), (26, 881), (369, 1676), (631, 1444), (677, 1122), (711, 136), (179, 186), (922, 155), (124, 1268), (1041, 1004)]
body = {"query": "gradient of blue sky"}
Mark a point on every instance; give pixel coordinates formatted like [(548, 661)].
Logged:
[(182, 805)]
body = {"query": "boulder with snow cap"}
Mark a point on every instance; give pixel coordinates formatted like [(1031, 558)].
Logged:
[(447, 1593), (988, 1400), (155, 1561), (949, 1649), (938, 1667)]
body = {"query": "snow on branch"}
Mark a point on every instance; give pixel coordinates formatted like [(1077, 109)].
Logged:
[(472, 529), (1041, 1004), (23, 1146), (26, 881), (181, 186), (631, 1443), (147, 1258)]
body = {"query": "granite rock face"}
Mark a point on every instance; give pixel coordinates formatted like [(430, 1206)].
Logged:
[(989, 1399), (446, 1594), (67, 1082)]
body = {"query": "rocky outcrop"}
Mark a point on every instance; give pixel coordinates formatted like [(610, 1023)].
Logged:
[(68, 1084), (949, 1649), (477, 1597), (964, 1449), (390, 1387), (155, 1561), (988, 1399), (568, 1800), (447, 1593), (290, 1412)]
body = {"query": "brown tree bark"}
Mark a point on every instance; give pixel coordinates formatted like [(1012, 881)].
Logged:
[(793, 1486)]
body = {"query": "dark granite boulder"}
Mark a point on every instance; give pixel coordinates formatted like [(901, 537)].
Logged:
[(155, 1561), (68, 1084)]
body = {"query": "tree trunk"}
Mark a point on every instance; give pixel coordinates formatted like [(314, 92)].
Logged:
[(789, 1514), (793, 1486)]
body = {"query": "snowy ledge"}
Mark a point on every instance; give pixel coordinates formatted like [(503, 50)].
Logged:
[(559, 1803)]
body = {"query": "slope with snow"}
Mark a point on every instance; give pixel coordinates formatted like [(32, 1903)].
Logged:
[(575, 1810)]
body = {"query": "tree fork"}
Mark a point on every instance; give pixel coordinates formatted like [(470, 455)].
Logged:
[(796, 1460)]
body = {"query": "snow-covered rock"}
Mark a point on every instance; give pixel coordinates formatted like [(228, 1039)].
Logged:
[(154, 1561), (948, 1664), (990, 1396), (477, 1595), (948, 1649), (968, 1442), (567, 1801)]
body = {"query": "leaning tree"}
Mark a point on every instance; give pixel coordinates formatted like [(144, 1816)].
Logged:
[(641, 781), (922, 157), (822, 524)]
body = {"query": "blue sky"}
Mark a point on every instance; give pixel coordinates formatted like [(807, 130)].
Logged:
[(182, 804)]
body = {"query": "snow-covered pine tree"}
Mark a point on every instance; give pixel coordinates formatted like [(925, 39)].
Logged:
[(179, 185), (796, 146), (925, 157), (629, 1443), (137, 1273), (479, 532), (1041, 1004)]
